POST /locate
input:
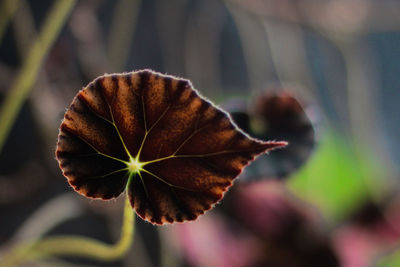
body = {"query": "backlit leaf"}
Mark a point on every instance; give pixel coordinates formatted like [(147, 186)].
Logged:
[(173, 151)]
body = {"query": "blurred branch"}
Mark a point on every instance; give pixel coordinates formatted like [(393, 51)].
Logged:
[(86, 27), (349, 16), (254, 43), (335, 17), (170, 18), (76, 245), (288, 54), (52, 213), (202, 42), (361, 92), (25, 34), (125, 15), (30, 69), (7, 11), (24, 28)]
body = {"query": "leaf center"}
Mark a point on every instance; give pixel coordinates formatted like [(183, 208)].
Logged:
[(134, 165)]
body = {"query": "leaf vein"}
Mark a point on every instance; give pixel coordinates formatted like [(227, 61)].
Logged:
[(89, 144)]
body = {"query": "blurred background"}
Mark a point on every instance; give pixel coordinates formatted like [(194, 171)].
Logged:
[(323, 75)]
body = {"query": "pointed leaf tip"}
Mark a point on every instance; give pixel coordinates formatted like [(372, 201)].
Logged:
[(174, 151), (277, 144)]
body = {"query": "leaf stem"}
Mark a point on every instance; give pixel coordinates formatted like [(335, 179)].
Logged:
[(30, 68), (76, 245)]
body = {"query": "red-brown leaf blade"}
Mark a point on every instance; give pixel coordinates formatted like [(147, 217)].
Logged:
[(190, 150)]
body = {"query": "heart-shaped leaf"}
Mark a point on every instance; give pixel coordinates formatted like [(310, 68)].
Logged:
[(173, 151)]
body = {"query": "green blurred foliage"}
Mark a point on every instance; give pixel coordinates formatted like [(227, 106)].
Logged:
[(337, 179)]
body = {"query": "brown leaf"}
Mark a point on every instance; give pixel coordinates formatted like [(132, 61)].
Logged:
[(174, 151), (282, 117), (277, 114)]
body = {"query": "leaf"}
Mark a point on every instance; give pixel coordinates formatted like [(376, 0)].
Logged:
[(280, 116), (173, 151), (283, 117)]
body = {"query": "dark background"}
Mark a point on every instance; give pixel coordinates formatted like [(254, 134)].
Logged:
[(340, 58)]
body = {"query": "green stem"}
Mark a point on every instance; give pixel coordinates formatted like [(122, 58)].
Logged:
[(30, 68), (76, 245)]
